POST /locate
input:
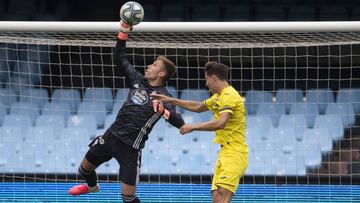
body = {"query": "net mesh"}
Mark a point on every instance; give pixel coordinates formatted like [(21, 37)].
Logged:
[(301, 90), (188, 40)]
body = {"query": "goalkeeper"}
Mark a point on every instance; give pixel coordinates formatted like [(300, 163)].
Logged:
[(127, 135), (229, 124)]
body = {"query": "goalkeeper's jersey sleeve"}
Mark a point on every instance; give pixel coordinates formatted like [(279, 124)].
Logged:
[(136, 118), (231, 102)]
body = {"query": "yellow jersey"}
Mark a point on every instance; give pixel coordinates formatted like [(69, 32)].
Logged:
[(233, 134)]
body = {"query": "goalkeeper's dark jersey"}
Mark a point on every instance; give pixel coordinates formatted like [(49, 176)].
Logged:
[(136, 117)]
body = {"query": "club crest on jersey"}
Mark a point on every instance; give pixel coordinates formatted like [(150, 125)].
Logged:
[(139, 96)]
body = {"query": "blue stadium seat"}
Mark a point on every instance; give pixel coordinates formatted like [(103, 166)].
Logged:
[(158, 134), (311, 149), (262, 166), (325, 138), (56, 122), (7, 58), (11, 135), (297, 122), (86, 121), (344, 110), (77, 136), (173, 12), (71, 97), (22, 121), (3, 112), (40, 135), (121, 95), (95, 108), (18, 83), (29, 70), (8, 53), (7, 162), (103, 95), (4, 71), (25, 108), (293, 165), (172, 90), (322, 97), (262, 122), (60, 109), (350, 96), (286, 136), (194, 94), (251, 164), (191, 117), (252, 136), (34, 53), (253, 98), (199, 164), (73, 151), (164, 163), (7, 96), (333, 123), (38, 96), (109, 120), (206, 116), (288, 96), (56, 163), (309, 110), (117, 106), (320, 136), (275, 110)]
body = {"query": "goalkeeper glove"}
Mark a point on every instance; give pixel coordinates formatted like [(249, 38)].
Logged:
[(124, 30), (159, 108)]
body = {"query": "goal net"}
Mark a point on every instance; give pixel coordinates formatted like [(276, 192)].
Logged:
[(59, 88)]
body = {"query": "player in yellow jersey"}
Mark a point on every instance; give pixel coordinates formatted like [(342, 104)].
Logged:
[(229, 124)]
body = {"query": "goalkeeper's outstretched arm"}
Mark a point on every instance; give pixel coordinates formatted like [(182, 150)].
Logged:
[(121, 60)]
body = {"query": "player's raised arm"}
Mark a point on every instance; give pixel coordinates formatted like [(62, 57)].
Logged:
[(194, 106), (121, 60)]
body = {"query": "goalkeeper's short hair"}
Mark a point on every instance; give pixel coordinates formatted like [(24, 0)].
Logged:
[(170, 67)]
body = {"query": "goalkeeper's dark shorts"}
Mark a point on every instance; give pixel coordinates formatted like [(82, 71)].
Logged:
[(107, 146)]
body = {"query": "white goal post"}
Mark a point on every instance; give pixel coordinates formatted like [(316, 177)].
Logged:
[(335, 26)]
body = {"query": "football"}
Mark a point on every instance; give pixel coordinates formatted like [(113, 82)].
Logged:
[(132, 13)]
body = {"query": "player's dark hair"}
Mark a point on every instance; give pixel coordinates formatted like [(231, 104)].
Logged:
[(170, 67), (218, 69)]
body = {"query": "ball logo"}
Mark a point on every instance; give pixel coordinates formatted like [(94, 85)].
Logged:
[(139, 97)]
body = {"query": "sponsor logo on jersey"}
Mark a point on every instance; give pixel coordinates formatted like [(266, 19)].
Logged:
[(139, 96)]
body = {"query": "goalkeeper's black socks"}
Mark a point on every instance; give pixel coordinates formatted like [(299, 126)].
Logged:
[(89, 176)]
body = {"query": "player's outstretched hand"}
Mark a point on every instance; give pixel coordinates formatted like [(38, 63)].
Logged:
[(185, 129), (124, 30), (161, 97)]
